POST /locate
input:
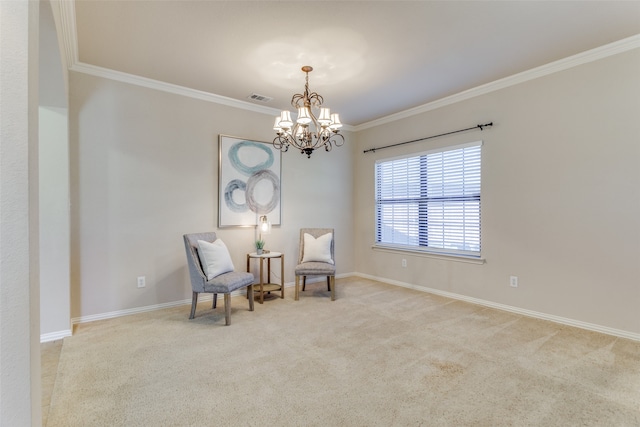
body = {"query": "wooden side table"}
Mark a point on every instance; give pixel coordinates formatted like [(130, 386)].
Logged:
[(268, 286)]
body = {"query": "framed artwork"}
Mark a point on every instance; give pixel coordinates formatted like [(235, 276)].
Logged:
[(249, 182)]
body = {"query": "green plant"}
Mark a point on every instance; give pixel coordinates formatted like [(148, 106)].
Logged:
[(259, 244)]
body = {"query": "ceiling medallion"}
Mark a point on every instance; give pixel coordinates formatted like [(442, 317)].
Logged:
[(315, 126)]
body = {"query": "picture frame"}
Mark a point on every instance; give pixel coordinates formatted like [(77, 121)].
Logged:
[(249, 180)]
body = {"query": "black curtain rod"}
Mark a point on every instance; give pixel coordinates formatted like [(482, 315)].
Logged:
[(481, 127)]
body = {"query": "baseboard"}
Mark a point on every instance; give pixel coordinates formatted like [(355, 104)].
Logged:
[(205, 297), (530, 313), (498, 306), (53, 336), (120, 313)]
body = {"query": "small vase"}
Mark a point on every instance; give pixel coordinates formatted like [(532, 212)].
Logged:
[(259, 251)]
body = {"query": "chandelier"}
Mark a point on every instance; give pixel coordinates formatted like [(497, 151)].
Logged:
[(315, 126)]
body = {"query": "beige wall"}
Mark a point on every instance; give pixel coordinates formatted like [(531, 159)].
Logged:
[(560, 195), (55, 319), (144, 168), (20, 391), (53, 164)]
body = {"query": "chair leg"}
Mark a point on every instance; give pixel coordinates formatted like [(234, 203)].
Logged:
[(215, 300), (297, 292), (250, 296), (333, 288), (328, 283), (304, 282), (194, 302), (227, 309)]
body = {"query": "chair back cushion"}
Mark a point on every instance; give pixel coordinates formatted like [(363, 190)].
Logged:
[(317, 249), (196, 272), (316, 233), (214, 258)]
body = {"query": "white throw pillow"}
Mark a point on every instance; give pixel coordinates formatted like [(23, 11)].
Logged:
[(215, 258), (317, 249)]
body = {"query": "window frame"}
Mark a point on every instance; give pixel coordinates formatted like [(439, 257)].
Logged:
[(468, 255)]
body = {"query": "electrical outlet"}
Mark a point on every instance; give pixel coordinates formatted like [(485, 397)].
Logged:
[(513, 281), (142, 282), (404, 262)]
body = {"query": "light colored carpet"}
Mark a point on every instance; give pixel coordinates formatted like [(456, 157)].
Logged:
[(379, 355)]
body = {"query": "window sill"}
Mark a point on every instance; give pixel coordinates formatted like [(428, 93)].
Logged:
[(429, 254)]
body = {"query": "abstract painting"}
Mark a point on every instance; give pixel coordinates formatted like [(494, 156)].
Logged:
[(249, 182)]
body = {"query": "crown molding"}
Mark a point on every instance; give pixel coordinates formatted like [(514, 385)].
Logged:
[(176, 89), (171, 88), (64, 12), (67, 15), (614, 48)]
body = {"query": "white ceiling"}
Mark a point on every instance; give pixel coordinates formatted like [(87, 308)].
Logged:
[(370, 58)]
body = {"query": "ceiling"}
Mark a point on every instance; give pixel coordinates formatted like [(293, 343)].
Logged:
[(370, 58)]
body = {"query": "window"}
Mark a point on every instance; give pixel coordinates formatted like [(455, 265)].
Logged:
[(430, 201)]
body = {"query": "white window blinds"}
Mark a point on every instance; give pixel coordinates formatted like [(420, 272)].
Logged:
[(431, 201)]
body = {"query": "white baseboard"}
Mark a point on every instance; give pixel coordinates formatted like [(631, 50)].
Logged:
[(119, 313), (53, 336), (205, 297), (530, 313), (517, 310)]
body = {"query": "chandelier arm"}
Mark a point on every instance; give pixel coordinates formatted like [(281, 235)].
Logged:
[(282, 142), (319, 100), (337, 142), (307, 100), (331, 140), (296, 99)]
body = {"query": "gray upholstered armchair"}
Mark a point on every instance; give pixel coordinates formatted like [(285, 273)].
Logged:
[(221, 284), (316, 258)]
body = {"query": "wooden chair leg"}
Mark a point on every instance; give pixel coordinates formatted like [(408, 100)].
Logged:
[(250, 295), (333, 288), (227, 309), (215, 300), (194, 302), (297, 291)]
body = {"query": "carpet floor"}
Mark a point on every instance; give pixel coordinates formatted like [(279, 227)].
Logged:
[(379, 355)]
